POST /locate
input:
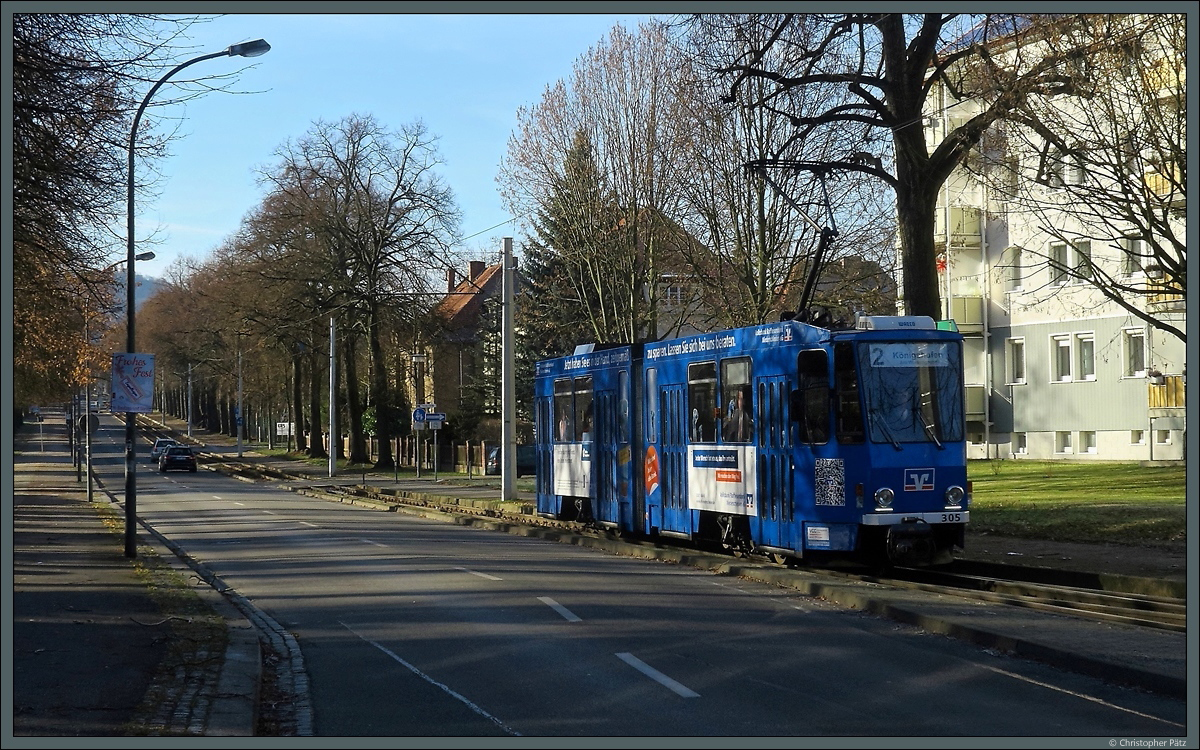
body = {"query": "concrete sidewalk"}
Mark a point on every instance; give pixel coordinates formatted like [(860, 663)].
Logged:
[(105, 645)]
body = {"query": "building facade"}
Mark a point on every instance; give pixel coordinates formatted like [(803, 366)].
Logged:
[(1058, 289)]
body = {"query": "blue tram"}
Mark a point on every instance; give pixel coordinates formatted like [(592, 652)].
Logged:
[(785, 438)]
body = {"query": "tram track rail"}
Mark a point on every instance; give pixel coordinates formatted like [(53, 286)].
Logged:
[(1010, 587)]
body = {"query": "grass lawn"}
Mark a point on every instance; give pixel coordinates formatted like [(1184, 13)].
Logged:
[(1080, 501)]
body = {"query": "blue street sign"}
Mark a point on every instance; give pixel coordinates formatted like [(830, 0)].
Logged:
[(418, 415)]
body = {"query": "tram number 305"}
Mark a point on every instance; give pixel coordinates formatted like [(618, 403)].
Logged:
[(952, 518)]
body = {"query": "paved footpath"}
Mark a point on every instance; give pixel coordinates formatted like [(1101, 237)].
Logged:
[(94, 652)]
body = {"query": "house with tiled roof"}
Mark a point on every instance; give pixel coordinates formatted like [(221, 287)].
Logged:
[(456, 362)]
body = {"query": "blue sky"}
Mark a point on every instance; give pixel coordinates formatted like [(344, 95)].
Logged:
[(463, 74)]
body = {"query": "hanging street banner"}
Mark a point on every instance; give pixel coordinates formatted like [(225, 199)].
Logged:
[(132, 383)]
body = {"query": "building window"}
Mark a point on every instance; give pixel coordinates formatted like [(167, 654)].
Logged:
[(1087, 441), (1058, 169), (1083, 260), (1085, 351), (1014, 268), (1062, 442), (1020, 445), (1135, 353), (1058, 263), (1162, 437), (1015, 361), (1060, 358), (1133, 257), (1137, 437)]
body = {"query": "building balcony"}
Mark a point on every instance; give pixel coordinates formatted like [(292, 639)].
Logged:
[(1165, 396), (965, 227), (967, 313), (976, 398), (1165, 77), (1164, 300), (1165, 183)]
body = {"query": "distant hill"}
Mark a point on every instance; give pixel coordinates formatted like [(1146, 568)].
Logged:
[(145, 288)]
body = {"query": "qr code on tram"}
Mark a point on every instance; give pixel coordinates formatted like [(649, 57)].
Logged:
[(830, 484)]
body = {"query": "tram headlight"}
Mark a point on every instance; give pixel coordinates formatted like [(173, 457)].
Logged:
[(884, 497), (954, 497)]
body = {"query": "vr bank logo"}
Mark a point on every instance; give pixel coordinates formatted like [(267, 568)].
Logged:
[(918, 480)]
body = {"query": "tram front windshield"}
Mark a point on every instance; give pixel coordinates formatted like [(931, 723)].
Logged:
[(912, 391)]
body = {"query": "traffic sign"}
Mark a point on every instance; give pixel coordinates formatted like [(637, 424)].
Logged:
[(435, 420), (419, 414)]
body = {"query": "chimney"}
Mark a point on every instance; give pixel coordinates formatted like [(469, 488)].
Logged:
[(451, 281), (477, 268)]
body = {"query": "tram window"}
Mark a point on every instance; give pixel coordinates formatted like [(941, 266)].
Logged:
[(564, 410), (811, 407), (738, 396), (849, 407), (702, 402), (652, 404), (583, 408)]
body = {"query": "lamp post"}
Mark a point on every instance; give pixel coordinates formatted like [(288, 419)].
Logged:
[(245, 49), (87, 410)]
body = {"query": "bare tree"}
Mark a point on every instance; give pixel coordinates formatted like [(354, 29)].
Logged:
[(756, 232), (1106, 171), (382, 222), (620, 103), (76, 79), (889, 63)]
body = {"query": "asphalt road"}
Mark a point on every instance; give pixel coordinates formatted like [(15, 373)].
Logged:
[(413, 627)]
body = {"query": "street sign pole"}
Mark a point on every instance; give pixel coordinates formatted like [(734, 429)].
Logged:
[(418, 423), (436, 420)]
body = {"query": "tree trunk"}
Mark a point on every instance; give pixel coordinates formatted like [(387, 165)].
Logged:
[(918, 260), (298, 403), (916, 200), (385, 412), (315, 447), (354, 407)]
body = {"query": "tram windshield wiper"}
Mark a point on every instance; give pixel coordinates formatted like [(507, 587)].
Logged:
[(928, 428), (888, 433)]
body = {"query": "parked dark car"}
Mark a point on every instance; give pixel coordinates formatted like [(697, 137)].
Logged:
[(526, 460), (177, 457)]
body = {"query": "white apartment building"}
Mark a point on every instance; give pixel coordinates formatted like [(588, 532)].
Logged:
[(1054, 367)]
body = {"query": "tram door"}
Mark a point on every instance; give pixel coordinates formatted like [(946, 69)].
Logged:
[(773, 471), (543, 425), (604, 458), (673, 467)]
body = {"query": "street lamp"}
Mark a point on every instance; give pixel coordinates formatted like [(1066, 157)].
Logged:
[(244, 49)]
